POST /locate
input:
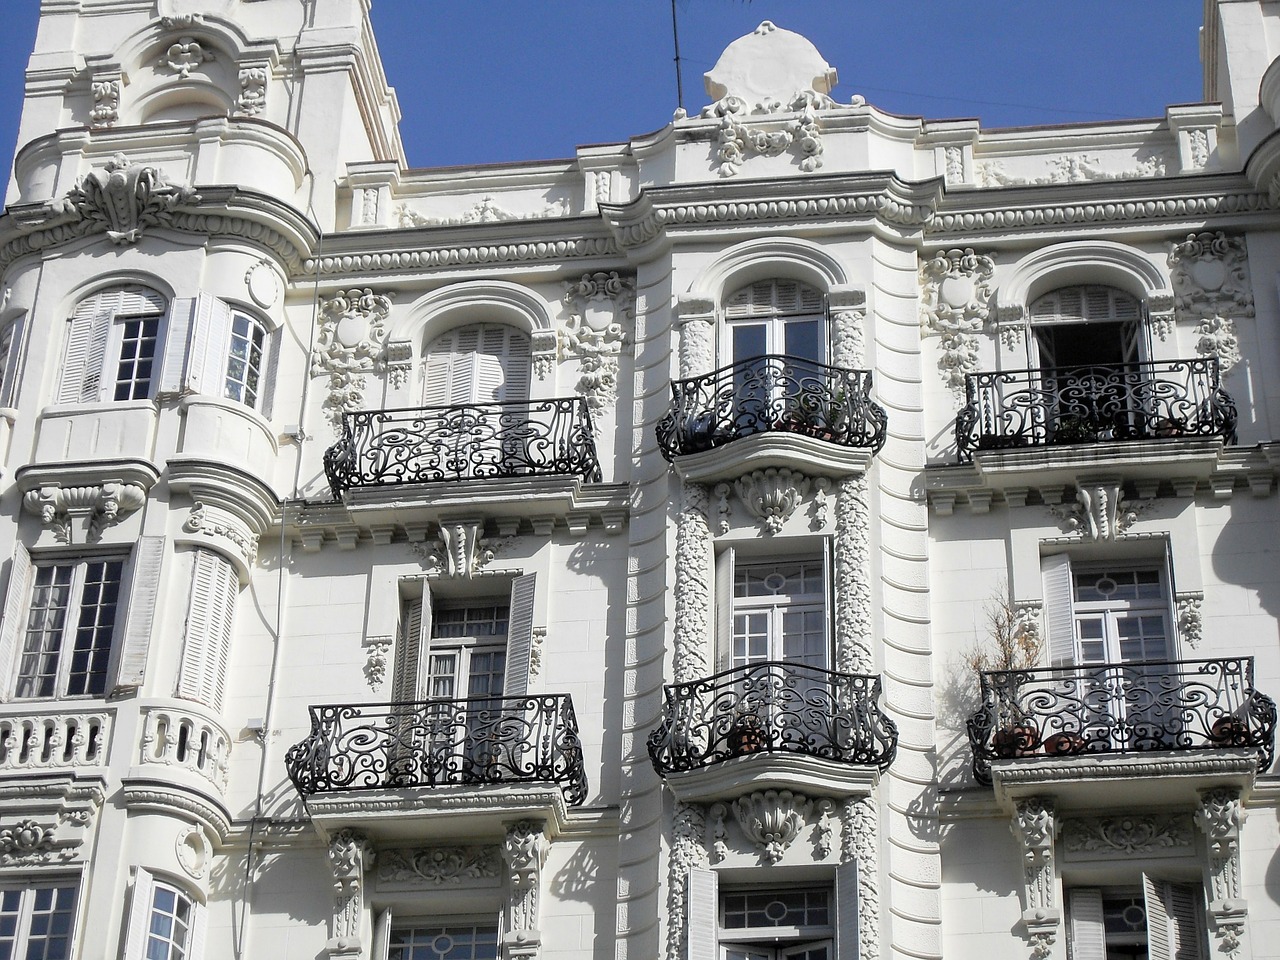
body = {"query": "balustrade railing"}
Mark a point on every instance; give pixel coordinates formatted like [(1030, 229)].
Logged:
[(1121, 708), (771, 393), (180, 738), (528, 438), (45, 741), (490, 740), (773, 706), (1070, 405)]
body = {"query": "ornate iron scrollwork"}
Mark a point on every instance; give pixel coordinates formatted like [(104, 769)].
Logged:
[(1066, 405), (1121, 708), (771, 393), (773, 706), (426, 743), (528, 438)]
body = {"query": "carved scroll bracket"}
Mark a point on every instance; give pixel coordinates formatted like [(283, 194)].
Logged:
[(95, 506), (350, 856), (1035, 829), (525, 851)]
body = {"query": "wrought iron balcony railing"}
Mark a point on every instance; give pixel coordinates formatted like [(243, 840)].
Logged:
[(1062, 405), (1121, 708), (490, 740), (771, 393), (773, 706), (528, 438)]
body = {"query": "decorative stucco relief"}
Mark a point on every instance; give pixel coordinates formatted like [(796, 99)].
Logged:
[(1070, 168), (28, 842), (460, 549), (485, 210), (772, 819), (601, 306), (122, 199), (253, 91), (97, 505), (848, 339), (377, 656), (350, 856), (350, 345), (696, 319), (852, 561), (524, 849), (1101, 511), (1190, 619), (687, 852), (106, 103), (861, 845), (955, 304), (216, 523), (1210, 275), (691, 630), (1127, 836), (1220, 816), (184, 55), (1035, 829), (743, 133), (439, 866), (771, 495)]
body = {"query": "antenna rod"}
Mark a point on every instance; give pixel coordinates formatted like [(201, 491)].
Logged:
[(675, 36)]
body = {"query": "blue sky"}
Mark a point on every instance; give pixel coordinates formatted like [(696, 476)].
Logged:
[(484, 81)]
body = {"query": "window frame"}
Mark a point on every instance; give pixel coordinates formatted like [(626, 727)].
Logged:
[(27, 892), (1177, 908), (94, 338), (141, 910), (264, 341), (728, 605), (774, 319)]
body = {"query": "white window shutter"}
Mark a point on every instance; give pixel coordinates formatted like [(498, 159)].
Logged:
[(274, 346), (702, 903), (382, 934), (9, 385), (847, 943), (1059, 617), (199, 926), (135, 943), (1086, 936), (177, 345), (210, 343), (828, 600), (1179, 927), (515, 682), (511, 347), (80, 331), (724, 609), (411, 652), (1160, 941), (210, 622), (14, 619), (439, 357), (144, 588)]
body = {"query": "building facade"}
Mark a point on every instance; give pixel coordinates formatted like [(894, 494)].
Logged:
[(799, 532)]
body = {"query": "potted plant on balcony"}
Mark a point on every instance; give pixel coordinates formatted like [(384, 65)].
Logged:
[(748, 732), (1013, 643)]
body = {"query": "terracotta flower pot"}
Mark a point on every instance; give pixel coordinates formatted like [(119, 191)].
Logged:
[(1016, 740), (1063, 744)]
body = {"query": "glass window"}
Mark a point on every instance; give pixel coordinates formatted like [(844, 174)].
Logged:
[(244, 360), (777, 924), (169, 925), (1121, 614), (36, 921), (71, 621), (138, 336), (435, 942), (779, 613)]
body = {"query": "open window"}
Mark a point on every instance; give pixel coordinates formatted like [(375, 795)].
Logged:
[(164, 923), (1159, 920), (114, 342), (221, 351)]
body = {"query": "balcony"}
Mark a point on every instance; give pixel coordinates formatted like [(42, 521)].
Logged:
[(422, 766), (772, 411), (1150, 730), (773, 724)]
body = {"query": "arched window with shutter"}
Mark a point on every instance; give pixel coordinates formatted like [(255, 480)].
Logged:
[(114, 342), (477, 363), (776, 317), (1087, 326)]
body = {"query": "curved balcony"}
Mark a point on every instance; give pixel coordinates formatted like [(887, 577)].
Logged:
[(1166, 400), (474, 743), (776, 411), (1076, 716), (775, 724), (523, 439)]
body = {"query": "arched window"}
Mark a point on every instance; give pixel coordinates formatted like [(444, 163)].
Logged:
[(776, 317), (478, 363), (113, 344), (1087, 326)]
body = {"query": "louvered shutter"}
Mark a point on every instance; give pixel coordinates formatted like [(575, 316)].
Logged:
[(1059, 616), (199, 924), (14, 621), (210, 344), (828, 600), (411, 650), (210, 620), (515, 682), (89, 316), (382, 934), (702, 903), (1085, 932), (1175, 920), (515, 361), (273, 344), (84, 377), (1159, 933), (13, 335), (135, 944), (439, 366), (177, 346), (143, 591), (847, 945), (724, 609)]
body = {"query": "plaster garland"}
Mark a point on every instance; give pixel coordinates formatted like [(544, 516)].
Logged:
[(852, 561), (691, 632), (1070, 168), (861, 845), (1126, 836), (1198, 144), (349, 346), (955, 305), (377, 655), (717, 833), (1026, 622), (106, 103), (485, 210), (767, 131), (687, 852), (1190, 618), (953, 164), (601, 307)]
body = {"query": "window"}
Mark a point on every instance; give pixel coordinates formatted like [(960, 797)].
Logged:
[(480, 363), (244, 359), (1107, 613), (71, 621), (67, 630), (37, 920), (1087, 326), (800, 921), (10, 346), (164, 922), (774, 610), (426, 941), (776, 317), (1159, 920), (113, 343)]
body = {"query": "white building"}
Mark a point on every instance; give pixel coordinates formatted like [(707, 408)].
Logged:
[(593, 559)]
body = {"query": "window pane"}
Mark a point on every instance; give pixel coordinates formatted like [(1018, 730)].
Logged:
[(137, 350), (471, 621), (46, 623), (244, 360), (777, 908), (462, 942), (91, 651)]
